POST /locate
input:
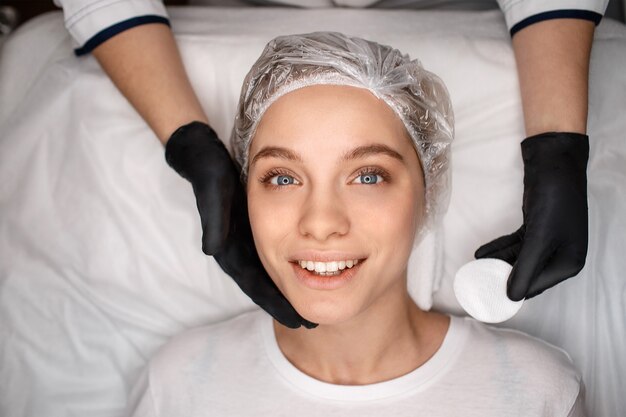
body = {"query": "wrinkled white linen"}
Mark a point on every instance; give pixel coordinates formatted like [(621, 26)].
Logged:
[(100, 239)]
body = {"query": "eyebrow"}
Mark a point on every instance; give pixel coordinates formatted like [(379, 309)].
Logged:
[(374, 149), (357, 153), (276, 152)]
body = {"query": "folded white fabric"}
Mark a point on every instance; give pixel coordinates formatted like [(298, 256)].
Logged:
[(425, 268)]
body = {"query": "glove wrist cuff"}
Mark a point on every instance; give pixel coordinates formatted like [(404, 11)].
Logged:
[(552, 147)]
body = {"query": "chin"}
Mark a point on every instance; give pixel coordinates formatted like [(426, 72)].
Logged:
[(324, 312), (324, 307)]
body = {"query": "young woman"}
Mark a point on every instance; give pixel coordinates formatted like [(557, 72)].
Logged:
[(344, 149)]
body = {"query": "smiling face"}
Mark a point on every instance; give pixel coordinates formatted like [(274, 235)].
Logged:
[(334, 178)]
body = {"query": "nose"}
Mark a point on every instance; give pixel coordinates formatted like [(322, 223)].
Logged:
[(323, 216)]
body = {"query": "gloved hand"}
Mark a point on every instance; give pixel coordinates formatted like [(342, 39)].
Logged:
[(551, 245), (198, 155)]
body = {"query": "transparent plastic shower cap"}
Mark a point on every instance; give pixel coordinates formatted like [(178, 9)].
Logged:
[(418, 97)]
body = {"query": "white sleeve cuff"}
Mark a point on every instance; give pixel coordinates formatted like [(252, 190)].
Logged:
[(521, 13), (91, 22)]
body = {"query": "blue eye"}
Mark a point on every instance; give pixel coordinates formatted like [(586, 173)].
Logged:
[(369, 178), (280, 180)]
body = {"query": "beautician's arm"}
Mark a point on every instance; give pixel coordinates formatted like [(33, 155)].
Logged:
[(145, 65), (553, 66)]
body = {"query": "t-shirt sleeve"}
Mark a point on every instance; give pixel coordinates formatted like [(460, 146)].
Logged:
[(92, 22), (578, 408), (141, 401), (521, 13)]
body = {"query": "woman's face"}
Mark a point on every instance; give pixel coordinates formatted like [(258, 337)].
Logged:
[(334, 178)]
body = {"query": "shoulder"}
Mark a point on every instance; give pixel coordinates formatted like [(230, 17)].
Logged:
[(515, 348), (525, 364), (235, 327), (199, 362), (197, 348)]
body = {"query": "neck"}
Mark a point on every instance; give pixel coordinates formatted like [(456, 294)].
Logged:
[(388, 340)]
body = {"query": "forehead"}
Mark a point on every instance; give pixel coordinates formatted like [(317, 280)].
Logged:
[(329, 117)]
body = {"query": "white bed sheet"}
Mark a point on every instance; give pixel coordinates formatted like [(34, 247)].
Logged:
[(100, 240)]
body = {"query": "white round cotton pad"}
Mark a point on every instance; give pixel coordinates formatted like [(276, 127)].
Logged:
[(480, 288)]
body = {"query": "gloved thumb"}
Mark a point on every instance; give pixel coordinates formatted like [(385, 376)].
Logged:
[(214, 202), (505, 247), (198, 155)]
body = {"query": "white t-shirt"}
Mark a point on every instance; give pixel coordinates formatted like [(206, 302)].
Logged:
[(236, 368)]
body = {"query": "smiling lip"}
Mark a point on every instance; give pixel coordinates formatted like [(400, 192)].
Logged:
[(331, 282), (317, 256)]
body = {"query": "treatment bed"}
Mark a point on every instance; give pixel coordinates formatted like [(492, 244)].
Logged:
[(100, 255)]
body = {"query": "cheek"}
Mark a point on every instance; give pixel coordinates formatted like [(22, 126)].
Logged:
[(389, 213), (271, 218)]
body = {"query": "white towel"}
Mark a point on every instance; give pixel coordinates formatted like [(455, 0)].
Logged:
[(425, 268)]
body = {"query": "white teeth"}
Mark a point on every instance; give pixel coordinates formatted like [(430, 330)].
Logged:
[(322, 267)]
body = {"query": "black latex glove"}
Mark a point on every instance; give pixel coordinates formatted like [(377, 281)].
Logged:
[(551, 245), (198, 155)]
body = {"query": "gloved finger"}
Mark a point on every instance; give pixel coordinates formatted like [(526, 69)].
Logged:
[(238, 257), (508, 254), (252, 279), (275, 303), (562, 265), (533, 257), (502, 243)]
